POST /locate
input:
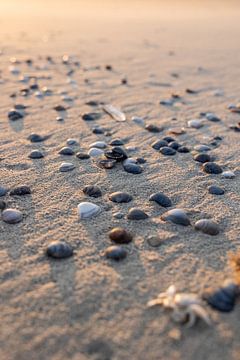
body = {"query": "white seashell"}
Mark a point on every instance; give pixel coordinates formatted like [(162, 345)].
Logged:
[(196, 123), (228, 174), (87, 210), (138, 120), (114, 112), (95, 152), (64, 167), (98, 144)]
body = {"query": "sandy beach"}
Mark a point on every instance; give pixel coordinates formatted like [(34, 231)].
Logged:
[(132, 55)]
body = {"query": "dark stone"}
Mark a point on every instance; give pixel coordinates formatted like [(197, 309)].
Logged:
[(212, 168), (66, 151), (91, 116), (59, 108), (92, 103), (168, 139), (167, 151), (97, 131), (15, 115), (116, 142), (177, 216), (120, 236), (120, 197), (133, 168), (82, 156), (224, 298), (59, 250), (183, 149), (92, 190), (157, 145), (21, 190), (202, 158), (215, 190), (36, 154), (36, 138), (136, 214), (161, 199), (174, 145), (153, 128), (116, 252), (117, 153)]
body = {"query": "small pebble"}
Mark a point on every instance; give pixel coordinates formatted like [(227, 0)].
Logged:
[(183, 149), (138, 120), (196, 123), (120, 236), (228, 174), (36, 138), (92, 190), (212, 168), (212, 117), (95, 152), (88, 210), (153, 128), (202, 158), (91, 116), (97, 130), (82, 156), (59, 250), (64, 167), (177, 216), (215, 190), (3, 191), (133, 168), (207, 226), (167, 151), (98, 144), (12, 216), (36, 154), (120, 197), (116, 252), (66, 151), (59, 108), (161, 199), (14, 115), (20, 190), (136, 214)]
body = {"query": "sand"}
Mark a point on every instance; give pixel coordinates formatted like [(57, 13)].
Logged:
[(87, 307)]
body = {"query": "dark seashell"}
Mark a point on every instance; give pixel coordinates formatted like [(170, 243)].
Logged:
[(161, 199), (59, 250), (174, 145), (106, 164), (120, 236), (59, 108), (157, 145), (235, 127), (24, 92), (116, 142), (215, 190), (202, 158), (168, 139), (108, 67), (183, 149), (120, 197), (117, 153), (177, 216), (12, 216), (92, 103), (207, 226), (21, 190), (66, 151), (212, 117), (167, 151), (136, 214), (133, 168), (2, 205), (92, 190), (91, 116), (36, 138), (153, 128), (34, 87), (224, 298), (116, 252), (20, 107), (191, 91), (82, 156), (36, 154), (15, 115), (97, 131), (212, 168), (3, 191)]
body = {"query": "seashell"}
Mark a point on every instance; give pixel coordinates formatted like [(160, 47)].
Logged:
[(106, 164), (72, 142), (161, 199), (120, 197), (174, 145), (115, 113), (202, 148), (168, 151), (116, 252), (212, 168), (87, 210), (116, 142), (202, 158), (228, 174), (136, 214), (120, 236), (64, 167), (3, 191), (129, 161), (21, 190), (94, 152), (138, 120), (66, 151), (91, 116), (153, 128), (37, 138), (12, 216), (224, 298), (196, 123), (215, 190), (82, 156), (15, 115), (92, 190), (177, 216), (133, 168), (116, 153), (36, 154), (59, 250), (98, 144), (183, 149), (207, 226), (212, 117), (157, 145)]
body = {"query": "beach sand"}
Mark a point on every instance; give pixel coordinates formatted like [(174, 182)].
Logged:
[(87, 307)]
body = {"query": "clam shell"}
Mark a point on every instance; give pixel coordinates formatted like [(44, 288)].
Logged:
[(177, 216), (207, 226), (87, 210), (115, 113), (224, 298)]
